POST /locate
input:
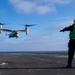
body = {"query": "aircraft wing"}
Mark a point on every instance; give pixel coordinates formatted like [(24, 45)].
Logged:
[(20, 30), (7, 30)]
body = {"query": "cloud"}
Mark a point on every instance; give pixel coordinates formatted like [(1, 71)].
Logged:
[(57, 26), (38, 6), (27, 6), (36, 43), (57, 1), (47, 43), (62, 18), (65, 2), (42, 9)]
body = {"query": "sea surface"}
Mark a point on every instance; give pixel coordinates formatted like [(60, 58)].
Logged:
[(30, 52), (59, 54)]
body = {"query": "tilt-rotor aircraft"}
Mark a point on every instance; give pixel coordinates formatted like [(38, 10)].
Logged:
[(15, 33)]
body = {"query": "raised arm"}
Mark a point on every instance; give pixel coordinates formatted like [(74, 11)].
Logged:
[(70, 28)]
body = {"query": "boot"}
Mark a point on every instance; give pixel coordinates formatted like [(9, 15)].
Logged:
[(68, 66)]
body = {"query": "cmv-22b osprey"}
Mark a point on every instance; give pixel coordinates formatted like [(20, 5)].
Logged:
[(15, 33)]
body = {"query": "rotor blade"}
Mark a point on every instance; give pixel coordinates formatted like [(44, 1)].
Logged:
[(4, 23), (1, 23), (28, 25)]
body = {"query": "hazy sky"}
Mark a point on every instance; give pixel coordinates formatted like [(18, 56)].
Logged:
[(50, 16)]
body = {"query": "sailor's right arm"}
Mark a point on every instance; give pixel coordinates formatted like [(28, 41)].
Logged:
[(67, 29)]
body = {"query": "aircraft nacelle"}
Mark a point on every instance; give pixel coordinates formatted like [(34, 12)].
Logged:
[(27, 30), (0, 28)]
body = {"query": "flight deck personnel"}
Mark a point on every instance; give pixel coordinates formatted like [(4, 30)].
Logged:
[(71, 44)]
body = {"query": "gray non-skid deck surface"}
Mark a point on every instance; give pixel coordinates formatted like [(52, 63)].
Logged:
[(35, 64)]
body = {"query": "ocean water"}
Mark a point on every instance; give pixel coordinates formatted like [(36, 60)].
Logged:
[(57, 54), (33, 52)]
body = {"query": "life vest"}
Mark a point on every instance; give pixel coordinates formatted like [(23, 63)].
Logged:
[(72, 33)]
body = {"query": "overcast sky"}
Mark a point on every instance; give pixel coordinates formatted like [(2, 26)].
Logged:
[(50, 16)]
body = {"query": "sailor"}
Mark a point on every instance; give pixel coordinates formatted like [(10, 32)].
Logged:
[(71, 44)]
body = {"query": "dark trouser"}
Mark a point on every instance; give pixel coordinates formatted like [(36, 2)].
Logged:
[(71, 50)]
